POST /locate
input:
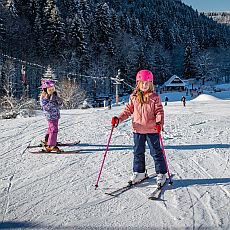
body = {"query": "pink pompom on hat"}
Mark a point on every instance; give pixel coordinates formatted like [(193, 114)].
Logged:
[(144, 75)]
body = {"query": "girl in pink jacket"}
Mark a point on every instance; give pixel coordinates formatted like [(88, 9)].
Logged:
[(147, 121)]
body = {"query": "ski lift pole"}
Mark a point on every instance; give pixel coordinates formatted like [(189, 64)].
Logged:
[(117, 81), (164, 154), (117, 100), (103, 161)]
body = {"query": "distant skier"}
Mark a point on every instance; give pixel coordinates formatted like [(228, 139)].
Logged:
[(104, 102), (50, 103), (166, 100), (148, 120), (183, 99), (109, 103)]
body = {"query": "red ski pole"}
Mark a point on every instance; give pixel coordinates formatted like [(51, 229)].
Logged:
[(103, 161), (164, 154)]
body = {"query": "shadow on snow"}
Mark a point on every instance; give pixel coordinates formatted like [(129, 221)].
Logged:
[(179, 183), (99, 147), (201, 146), (32, 225)]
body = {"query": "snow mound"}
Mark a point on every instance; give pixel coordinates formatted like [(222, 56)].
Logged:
[(205, 97)]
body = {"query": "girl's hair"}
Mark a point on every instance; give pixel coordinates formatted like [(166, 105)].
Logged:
[(143, 97), (44, 93)]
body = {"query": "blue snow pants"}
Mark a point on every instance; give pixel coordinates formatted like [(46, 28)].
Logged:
[(155, 151)]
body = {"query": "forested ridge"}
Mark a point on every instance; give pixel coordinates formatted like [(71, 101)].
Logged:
[(92, 39)]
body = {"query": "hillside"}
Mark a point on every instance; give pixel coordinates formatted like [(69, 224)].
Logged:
[(57, 191), (89, 41)]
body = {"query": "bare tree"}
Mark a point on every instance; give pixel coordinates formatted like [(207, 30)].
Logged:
[(71, 93), (10, 105), (205, 67), (8, 100)]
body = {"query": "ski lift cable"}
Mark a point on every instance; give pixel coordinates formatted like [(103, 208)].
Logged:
[(129, 85), (73, 74), (44, 67)]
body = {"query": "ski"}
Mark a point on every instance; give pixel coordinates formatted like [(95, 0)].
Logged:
[(58, 144), (156, 194), (55, 152), (125, 188)]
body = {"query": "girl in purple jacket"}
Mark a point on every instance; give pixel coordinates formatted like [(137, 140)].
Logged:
[(147, 113), (50, 103)]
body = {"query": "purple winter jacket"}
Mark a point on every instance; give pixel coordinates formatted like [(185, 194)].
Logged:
[(50, 106)]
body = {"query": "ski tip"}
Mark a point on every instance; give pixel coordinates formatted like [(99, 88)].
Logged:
[(153, 198), (156, 198), (110, 194), (130, 183)]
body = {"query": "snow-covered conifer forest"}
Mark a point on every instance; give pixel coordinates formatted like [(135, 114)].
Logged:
[(89, 41)]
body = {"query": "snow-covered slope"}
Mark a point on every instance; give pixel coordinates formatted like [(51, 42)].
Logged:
[(57, 191)]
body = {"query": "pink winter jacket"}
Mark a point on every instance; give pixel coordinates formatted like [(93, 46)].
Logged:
[(145, 116)]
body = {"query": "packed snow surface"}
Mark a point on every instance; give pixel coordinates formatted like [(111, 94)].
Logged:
[(49, 191)]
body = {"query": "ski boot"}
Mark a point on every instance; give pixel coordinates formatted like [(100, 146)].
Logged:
[(52, 149), (161, 179), (137, 177), (44, 143)]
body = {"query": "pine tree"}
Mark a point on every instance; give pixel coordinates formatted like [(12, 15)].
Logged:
[(142, 62), (102, 23), (189, 65), (26, 9), (86, 12), (148, 36), (77, 37), (169, 39), (68, 8), (54, 35), (38, 36), (2, 35), (161, 65), (135, 26), (49, 74)]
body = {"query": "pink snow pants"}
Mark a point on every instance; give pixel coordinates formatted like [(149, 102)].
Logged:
[(52, 132)]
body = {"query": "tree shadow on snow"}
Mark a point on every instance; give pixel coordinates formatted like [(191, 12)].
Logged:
[(101, 147), (30, 225), (33, 225), (89, 148), (19, 225), (179, 183)]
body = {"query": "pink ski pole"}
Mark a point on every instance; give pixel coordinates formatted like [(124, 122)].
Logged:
[(103, 161), (164, 154)]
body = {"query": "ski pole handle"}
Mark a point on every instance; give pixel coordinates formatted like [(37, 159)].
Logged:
[(103, 161)]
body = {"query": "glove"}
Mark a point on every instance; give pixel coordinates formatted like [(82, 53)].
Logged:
[(158, 127), (115, 121)]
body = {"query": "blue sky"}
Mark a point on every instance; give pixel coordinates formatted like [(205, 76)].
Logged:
[(209, 5)]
